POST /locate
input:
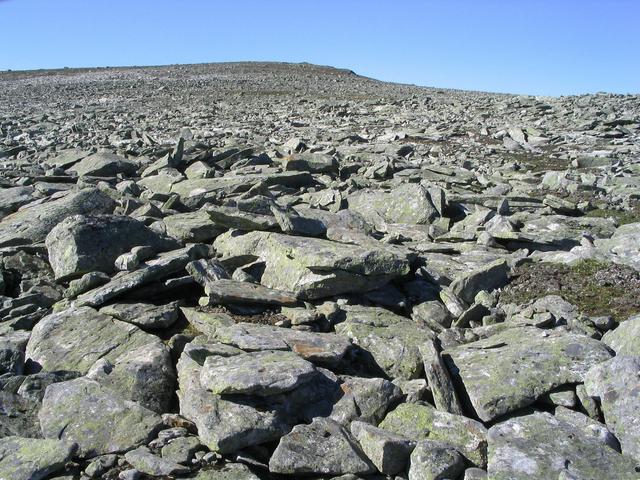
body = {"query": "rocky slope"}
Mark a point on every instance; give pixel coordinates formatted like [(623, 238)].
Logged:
[(268, 271)]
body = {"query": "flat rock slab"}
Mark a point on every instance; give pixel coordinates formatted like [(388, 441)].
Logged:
[(424, 422), (76, 338), (313, 268), (616, 384), (94, 417), (231, 291), (32, 458), (257, 373), (322, 448), (625, 339), (513, 368), (32, 224), (543, 446), (144, 315)]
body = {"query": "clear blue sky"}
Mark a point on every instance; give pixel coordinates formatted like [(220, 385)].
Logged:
[(546, 47)]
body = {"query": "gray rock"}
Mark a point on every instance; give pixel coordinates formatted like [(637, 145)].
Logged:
[(313, 268), (321, 448), (433, 460), (407, 203), (104, 164), (228, 471), (625, 339), (444, 394), (502, 373), (366, 400), (144, 315), (96, 418), (540, 445), (32, 224), (181, 449), (192, 227), (86, 243), (144, 375), (76, 338), (387, 451), (615, 384), (225, 291), (258, 373), (423, 422), (486, 278), (146, 462), (31, 458), (13, 198)]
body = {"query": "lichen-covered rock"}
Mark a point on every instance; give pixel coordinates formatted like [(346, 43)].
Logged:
[(625, 339), (263, 373), (407, 203), (192, 227), (74, 339), (32, 224), (86, 243), (424, 422), (95, 417), (387, 451), (513, 368), (146, 462), (32, 458), (540, 445), (104, 164), (313, 268), (144, 315), (434, 460), (322, 448), (616, 384)]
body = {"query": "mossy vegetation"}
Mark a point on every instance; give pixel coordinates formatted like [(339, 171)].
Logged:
[(595, 288), (622, 217)]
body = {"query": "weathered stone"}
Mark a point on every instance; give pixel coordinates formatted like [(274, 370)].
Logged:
[(625, 339), (615, 383), (192, 227), (94, 417), (104, 164), (31, 458), (444, 394), (146, 462), (502, 373), (423, 422), (387, 451), (365, 399), (543, 446), (434, 460), (258, 373), (313, 268), (86, 243), (144, 315), (32, 224), (75, 338), (322, 448), (485, 278)]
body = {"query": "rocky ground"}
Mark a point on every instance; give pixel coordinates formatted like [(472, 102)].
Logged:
[(270, 271)]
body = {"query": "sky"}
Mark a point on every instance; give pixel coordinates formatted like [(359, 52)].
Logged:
[(537, 47)]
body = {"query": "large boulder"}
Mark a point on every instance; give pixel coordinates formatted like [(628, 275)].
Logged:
[(76, 338), (32, 224), (104, 164), (423, 422), (88, 243), (540, 445), (616, 384), (313, 268), (322, 448), (96, 418), (515, 367), (408, 203), (32, 458), (625, 339)]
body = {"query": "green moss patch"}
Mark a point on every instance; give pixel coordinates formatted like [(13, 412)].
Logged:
[(596, 288)]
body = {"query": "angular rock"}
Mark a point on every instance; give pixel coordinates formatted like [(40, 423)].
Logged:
[(502, 373), (144, 315), (146, 462), (192, 227), (423, 422), (321, 448), (387, 451), (86, 243), (31, 458), (433, 460), (104, 164), (540, 445), (615, 383), (258, 373), (32, 224), (94, 417), (444, 393), (625, 339), (313, 268)]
